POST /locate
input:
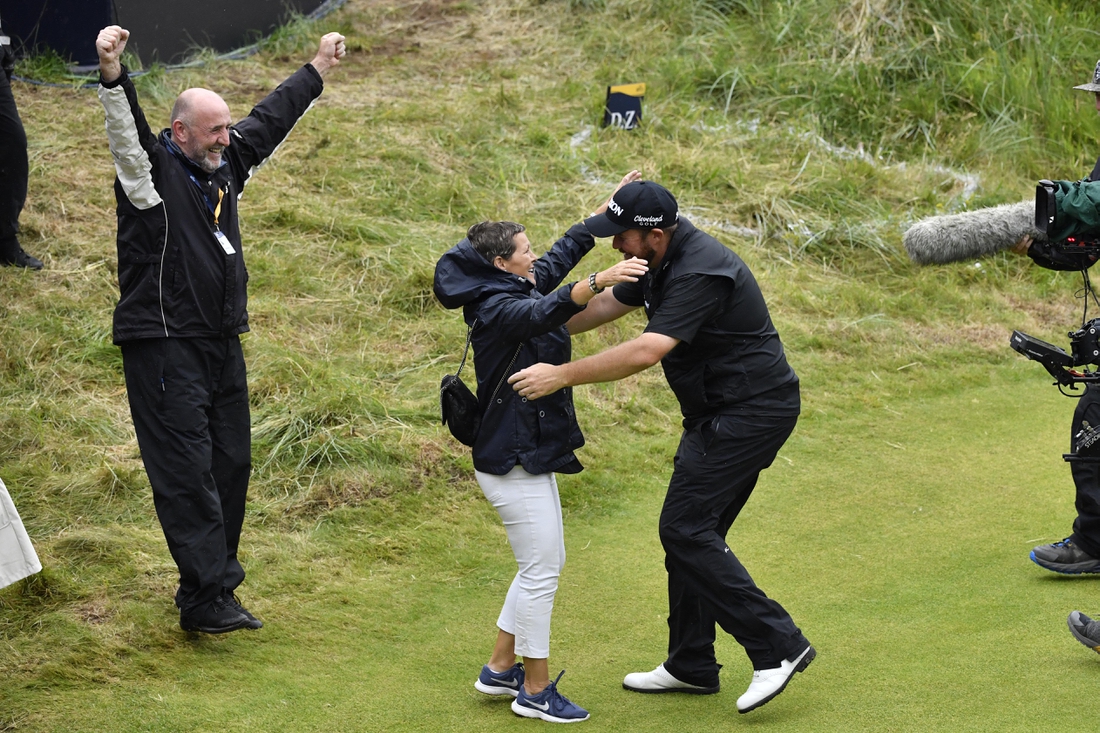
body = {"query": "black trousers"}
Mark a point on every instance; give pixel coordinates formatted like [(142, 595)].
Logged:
[(189, 402), (715, 471), (1086, 478), (14, 169)]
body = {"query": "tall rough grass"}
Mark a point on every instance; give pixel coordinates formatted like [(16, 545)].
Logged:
[(969, 84)]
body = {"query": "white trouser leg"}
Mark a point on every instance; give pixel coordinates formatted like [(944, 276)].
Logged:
[(531, 511)]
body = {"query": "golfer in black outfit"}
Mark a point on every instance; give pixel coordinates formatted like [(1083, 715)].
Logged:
[(710, 329)]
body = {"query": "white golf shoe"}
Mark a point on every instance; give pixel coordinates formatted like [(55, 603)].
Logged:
[(767, 683), (660, 680)]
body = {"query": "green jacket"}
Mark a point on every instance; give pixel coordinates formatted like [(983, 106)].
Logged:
[(1078, 206)]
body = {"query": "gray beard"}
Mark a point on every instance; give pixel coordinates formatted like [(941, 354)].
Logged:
[(205, 164)]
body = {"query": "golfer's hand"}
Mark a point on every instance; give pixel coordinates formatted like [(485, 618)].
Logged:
[(110, 44), (537, 381), (329, 53)]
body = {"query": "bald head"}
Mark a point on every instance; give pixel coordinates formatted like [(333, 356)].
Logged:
[(200, 126), (197, 101)]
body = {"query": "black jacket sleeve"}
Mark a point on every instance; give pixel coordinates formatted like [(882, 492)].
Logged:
[(514, 318), (257, 136), (133, 144), (552, 267), (7, 58)]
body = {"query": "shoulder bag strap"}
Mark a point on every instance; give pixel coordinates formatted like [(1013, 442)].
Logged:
[(466, 350), (507, 370)]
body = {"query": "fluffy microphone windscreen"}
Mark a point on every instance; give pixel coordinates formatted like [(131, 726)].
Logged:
[(955, 237)]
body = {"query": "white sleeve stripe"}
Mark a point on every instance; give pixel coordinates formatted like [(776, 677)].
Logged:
[(253, 169), (135, 171)]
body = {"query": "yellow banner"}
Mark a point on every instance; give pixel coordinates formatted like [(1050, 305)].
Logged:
[(631, 90)]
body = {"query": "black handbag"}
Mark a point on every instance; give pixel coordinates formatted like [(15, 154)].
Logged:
[(457, 404)]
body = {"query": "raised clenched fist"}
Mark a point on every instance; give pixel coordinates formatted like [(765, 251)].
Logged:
[(329, 52), (110, 44)]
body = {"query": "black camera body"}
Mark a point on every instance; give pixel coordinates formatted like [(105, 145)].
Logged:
[(1084, 350)]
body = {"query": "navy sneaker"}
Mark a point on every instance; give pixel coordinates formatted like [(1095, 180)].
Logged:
[(507, 682), (1065, 557), (550, 705)]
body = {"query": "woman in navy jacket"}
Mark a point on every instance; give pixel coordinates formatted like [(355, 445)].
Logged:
[(519, 313)]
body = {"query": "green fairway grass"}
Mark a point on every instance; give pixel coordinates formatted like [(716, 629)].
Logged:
[(899, 543), (895, 524)]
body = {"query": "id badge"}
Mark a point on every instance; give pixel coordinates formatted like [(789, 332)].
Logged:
[(224, 242), (5, 40)]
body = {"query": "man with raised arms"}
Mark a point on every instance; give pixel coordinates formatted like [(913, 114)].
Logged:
[(182, 309)]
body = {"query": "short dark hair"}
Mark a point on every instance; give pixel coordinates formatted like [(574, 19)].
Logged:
[(494, 239)]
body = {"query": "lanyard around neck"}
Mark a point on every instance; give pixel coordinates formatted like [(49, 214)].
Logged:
[(218, 208), (215, 209)]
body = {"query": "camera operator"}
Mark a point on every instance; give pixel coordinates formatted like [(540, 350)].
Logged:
[(1080, 552), (14, 166)]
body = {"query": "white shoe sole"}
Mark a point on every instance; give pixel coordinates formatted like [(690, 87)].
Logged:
[(693, 690), (800, 666), (529, 713), (496, 691), (652, 683)]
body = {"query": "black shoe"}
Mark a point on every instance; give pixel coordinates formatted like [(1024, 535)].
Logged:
[(1065, 557), (1085, 630), (218, 617), (234, 602), (21, 259)]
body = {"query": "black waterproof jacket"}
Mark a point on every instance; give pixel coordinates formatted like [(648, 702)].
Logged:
[(539, 435), (176, 280)]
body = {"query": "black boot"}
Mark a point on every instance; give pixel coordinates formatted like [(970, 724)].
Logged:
[(234, 602), (12, 254), (217, 617)]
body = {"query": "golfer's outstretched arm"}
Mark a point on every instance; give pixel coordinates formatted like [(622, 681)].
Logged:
[(602, 309), (617, 362)]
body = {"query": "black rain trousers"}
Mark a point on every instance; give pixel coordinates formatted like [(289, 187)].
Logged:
[(189, 402), (14, 169), (715, 471), (1086, 478)]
